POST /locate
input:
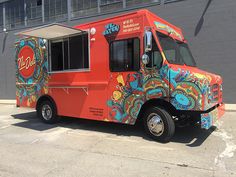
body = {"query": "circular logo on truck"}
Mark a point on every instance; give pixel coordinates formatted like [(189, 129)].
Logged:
[(26, 62)]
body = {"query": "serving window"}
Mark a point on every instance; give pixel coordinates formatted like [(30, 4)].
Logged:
[(69, 53)]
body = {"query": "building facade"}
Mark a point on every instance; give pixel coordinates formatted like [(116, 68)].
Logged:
[(208, 26)]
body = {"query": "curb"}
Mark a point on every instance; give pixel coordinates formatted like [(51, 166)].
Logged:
[(230, 107), (8, 102)]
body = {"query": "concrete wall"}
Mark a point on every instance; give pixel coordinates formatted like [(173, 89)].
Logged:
[(208, 26), (7, 66)]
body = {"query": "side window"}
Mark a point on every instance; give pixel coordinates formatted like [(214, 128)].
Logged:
[(56, 55), (125, 55), (155, 56), (70, 53)]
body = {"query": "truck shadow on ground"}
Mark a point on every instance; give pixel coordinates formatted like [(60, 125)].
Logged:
[(191, 136)]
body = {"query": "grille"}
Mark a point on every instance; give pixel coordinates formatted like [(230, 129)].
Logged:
[(215, 92)]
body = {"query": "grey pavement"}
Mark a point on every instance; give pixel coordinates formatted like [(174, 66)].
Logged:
[(76, 147)]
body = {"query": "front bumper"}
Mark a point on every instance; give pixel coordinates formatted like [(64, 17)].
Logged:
[(210, 118)]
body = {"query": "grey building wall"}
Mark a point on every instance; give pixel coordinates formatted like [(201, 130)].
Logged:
[(208, 26), (7, 66), (3, 1)]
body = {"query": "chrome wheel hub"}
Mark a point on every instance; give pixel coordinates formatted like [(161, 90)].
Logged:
[(155, 124), (47, 112)]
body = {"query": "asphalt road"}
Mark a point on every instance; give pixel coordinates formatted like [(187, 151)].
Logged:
[(76, 147)]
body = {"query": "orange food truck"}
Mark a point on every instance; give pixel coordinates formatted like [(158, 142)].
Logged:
[(131, 67)]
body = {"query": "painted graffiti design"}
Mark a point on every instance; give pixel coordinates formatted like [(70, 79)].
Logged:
[(31, 70), (185, 88), (26, 62), (168, 29)]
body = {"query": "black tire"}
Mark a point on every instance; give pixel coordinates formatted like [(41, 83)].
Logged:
[(161, 123), (47, 112)]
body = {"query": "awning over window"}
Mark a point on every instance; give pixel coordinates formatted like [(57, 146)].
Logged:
[(51, 31)]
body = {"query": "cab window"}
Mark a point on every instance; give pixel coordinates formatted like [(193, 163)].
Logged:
[(170, 49), (124, 55), (154, 56)]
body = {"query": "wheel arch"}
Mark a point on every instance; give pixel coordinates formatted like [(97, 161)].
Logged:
[(45, 98), (159, 103)]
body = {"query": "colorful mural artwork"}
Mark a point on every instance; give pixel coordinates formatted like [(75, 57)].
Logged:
[(208, 119), (186, 90), (31, 70)]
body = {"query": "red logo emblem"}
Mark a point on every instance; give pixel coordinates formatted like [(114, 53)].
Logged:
[(26, 62)]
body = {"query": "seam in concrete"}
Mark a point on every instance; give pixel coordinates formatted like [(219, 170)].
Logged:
[(140, 158), (91, 151), (150, 160)]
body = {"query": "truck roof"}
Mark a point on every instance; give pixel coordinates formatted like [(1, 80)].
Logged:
[(141, 12), (145, 17)]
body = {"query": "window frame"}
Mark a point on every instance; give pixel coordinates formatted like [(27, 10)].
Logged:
[(14, 14), (159, 49), (138, 57), (69, 70), (109, 3), (178, 44), (58, 12), (1, 20)]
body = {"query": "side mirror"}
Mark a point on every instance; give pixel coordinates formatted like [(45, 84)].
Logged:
[(145, 59), (148, 40)]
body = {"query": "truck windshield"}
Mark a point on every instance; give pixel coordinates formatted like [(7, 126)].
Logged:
[(175, 51)]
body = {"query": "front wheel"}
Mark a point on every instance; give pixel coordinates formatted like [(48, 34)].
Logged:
[(47, 112), (159, 124)]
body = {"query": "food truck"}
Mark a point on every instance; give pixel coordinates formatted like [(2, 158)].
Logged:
[(130, 67)]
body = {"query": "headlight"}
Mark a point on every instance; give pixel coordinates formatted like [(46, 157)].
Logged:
[(221, 87)]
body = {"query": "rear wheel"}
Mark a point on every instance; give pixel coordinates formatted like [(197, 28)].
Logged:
[(47, 112), (159, 124)]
